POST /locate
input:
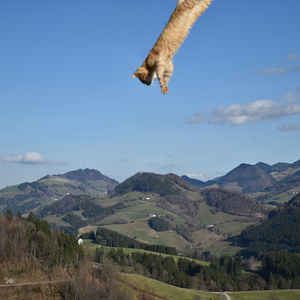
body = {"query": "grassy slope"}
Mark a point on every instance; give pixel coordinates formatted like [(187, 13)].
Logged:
[(136, 211), (171, 292), (285, 196), (132, 221), (165, 290), (161, 289), (265, 295)]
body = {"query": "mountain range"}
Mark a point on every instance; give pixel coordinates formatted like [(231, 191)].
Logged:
[(195, 212), (276, 183), (29, 196), (273, 184)]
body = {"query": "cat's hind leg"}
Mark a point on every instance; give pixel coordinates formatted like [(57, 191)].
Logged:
[(160, 67), (168, 71)]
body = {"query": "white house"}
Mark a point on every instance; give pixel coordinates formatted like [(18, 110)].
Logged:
[(209, 225), (151, 215)]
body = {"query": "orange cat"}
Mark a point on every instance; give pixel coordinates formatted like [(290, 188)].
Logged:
[(159, 61)]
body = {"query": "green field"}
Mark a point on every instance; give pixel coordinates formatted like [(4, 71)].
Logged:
[(266, 295), (159, 289), (132, 221), (220, 247), (56, 220), (142, 232)]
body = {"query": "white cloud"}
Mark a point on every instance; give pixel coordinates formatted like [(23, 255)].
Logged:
[(287, 127), (256, 111), (292, 57), (202, 177), (30, 158)]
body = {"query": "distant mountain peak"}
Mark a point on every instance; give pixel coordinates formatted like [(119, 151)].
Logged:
[(249, 177), (87, 174)]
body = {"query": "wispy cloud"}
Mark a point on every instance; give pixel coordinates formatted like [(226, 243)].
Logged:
[(150, 164), (292, 57), (122, 160), (287, 127), (256, 111), (282, 70), (30, 158), (167, 167), (273, 71), (295, 68)]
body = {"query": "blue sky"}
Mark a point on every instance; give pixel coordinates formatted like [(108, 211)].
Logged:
[(68, 100)]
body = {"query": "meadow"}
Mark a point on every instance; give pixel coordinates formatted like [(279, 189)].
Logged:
[(160, 290), (266, 295)]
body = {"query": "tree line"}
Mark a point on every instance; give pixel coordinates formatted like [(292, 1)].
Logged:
[(223, 273), (30, 243), (107, 237), (279, 270)]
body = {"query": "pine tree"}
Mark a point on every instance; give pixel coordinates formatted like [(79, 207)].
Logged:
[(9, 215)]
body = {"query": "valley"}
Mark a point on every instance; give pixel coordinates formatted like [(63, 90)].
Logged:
[(232, 216)]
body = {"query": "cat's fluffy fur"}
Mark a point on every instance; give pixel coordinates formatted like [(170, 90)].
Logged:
[(159, 63)]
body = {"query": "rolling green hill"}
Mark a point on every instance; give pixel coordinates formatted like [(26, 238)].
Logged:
[(29, 196), (181, 211)]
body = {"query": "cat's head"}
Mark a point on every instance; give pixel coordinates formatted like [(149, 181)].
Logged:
[(144, 75)]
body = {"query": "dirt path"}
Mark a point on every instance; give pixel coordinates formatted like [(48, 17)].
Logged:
[(31, 283), (227, 297)]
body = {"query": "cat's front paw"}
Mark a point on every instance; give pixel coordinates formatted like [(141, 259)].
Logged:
[(164, 90)]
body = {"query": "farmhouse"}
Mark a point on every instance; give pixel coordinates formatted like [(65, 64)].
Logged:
[(145, 198), (209, 225)]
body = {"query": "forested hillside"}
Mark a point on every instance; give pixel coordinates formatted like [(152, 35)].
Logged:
[(280, 232), (23, 241), (147, 182), (30, 253), (282, 268), (232, 202)]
